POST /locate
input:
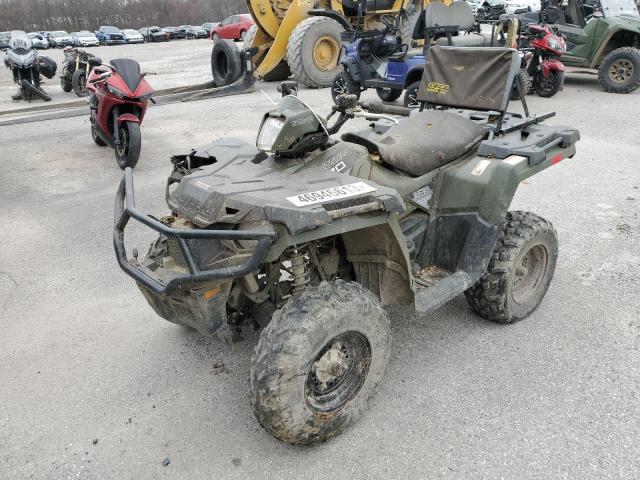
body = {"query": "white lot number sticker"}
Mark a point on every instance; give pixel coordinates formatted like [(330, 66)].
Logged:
[(333, 193)]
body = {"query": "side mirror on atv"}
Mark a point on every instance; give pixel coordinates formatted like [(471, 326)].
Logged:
[(289, 87), (95, 62)]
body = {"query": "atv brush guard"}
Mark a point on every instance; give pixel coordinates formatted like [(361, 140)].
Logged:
[(125, 209)]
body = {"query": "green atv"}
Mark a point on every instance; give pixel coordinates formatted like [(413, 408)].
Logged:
[(307, 237), (604, 35)]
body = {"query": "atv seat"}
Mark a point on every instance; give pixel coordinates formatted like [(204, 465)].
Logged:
[(129, 70), (424, 141)]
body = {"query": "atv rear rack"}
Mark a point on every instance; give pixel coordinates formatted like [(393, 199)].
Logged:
[(125, 209)]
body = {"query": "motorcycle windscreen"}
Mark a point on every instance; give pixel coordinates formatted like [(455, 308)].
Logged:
[(471, 78)]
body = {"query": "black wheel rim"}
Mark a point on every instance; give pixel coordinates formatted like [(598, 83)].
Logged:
[(547, 84), (413, 99), (122, 149), (340, 86), (531, 270), (337, 373)]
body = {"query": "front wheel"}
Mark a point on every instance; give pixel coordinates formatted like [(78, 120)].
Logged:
[(128, 151), (388, 94), (520, 269), (79, 83), (343, 84), (318, 361), (97, 140), (619, 71), (65, 83), (548, 86), (411, 96)]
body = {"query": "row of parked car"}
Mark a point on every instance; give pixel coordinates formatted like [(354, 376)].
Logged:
[(108, 35)]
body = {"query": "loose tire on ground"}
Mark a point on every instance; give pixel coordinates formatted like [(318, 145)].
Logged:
[(79, 81), (343, 84), (313, 51), (128, 153), (388, 94), (318, 362), (411, 95), (619, 71), (520, 269), (226, 62)]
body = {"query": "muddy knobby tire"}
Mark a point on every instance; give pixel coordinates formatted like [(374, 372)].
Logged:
[(300, 51), (630, 55), (493, 296), (289, 348)]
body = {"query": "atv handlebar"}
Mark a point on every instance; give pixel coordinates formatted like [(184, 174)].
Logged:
[(381, 108), (125, 209)]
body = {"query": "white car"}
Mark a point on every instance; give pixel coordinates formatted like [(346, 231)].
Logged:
[(133, 36), (85, 38), (517, 6), (38, 40)]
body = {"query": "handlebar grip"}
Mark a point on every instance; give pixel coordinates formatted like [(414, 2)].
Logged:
[(379, 107)]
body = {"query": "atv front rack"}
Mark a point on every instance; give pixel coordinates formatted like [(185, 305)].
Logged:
[(125, 209)]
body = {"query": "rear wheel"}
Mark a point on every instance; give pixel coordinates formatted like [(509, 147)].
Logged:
[(619, 71), (411, 95), (550, 85), (226, 64), (343, 84), (313, 51), (388, 94), (65, 83), (318, 361), (128, 151), (79, 83), (520, 269)]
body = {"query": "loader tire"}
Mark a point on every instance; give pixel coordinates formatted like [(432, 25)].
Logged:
[(278, 74), (226, 63), (520, 269), (318, 362), (313, 51)]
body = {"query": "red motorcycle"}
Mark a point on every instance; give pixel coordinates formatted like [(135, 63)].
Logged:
[(119, 99), (544, 68)]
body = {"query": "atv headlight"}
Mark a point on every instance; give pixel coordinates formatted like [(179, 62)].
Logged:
[(269, 132)]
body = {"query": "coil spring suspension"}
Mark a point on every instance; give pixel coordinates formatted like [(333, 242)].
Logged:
[(299, 270)]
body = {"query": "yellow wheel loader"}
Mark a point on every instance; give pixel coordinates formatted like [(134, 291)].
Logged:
[(303, 37)]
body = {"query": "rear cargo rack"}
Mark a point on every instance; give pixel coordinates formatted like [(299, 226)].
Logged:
[(125, 210)]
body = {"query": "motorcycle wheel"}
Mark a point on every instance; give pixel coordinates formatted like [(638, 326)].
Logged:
[(343, 84), (548, 87), (128, 152), (30, 89), (94, 135), (411, 95), (65, 83), (79, 83)]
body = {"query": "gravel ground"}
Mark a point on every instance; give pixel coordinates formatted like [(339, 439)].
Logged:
[(95, 385)]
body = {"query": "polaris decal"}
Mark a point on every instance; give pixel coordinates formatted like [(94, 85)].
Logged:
[(336, 164), (333, 193)]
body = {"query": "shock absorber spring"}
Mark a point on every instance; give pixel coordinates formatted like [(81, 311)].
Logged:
[(299, 270)]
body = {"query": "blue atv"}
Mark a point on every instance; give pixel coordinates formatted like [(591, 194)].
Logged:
[(378, 59)]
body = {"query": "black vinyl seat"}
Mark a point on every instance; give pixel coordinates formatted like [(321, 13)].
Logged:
[(424, 141), (129, 70)]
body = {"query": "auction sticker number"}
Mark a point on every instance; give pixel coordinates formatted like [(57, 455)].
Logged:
[(333, 193)]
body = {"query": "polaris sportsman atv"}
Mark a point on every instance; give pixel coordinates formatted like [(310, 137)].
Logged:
[(309, 237)]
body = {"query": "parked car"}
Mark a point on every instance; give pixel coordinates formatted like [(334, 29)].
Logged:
[(175, 33), (474, 4), (133, 36), (234, 27), (155, 34), (59, 39), (4, 40), (112, 35), (207, 26), (193, 31), (38, 40), (517, 6), (85, 38)]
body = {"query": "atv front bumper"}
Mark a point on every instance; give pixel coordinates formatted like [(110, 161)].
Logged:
[(125, 209)]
